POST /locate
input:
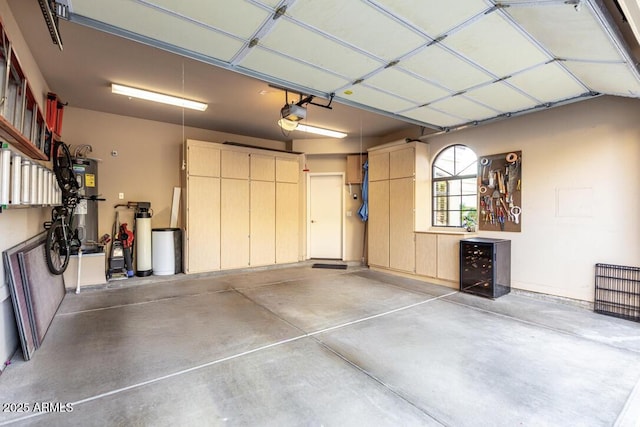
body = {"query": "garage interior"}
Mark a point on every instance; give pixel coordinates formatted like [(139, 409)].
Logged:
[(249, 333)]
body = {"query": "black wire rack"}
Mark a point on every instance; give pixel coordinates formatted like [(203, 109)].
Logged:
[(618, 291)]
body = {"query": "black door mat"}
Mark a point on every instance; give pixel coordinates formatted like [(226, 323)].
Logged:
[(333, 266)]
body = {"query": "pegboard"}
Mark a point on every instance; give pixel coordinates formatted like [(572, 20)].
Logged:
[(500, 192)]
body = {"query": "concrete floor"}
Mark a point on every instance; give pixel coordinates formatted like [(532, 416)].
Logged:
[(302, 346)]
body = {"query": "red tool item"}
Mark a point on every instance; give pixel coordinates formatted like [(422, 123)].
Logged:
[(52, 110), (126, 237), (59, 114), (54, 113)]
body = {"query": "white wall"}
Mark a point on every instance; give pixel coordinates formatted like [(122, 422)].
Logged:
[(586, 153), (353, 226), (149, 160), (335, 145), (29, 66)]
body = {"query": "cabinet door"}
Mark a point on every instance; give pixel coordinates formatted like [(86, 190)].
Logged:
[(203, 160), (263, 168), (234, 164), (355, 174), (287, 170), (378, 166), (234, 223), (203, 224), (426, 254), (402, 252), (287, 226), (263, 223), (402, 163), (379, 223), (449, 257)]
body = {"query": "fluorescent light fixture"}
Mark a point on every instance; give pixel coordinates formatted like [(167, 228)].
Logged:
[(289, 125), (157, 97), (321, 131)]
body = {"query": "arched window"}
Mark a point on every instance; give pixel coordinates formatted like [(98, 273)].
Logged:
[(455, 197)]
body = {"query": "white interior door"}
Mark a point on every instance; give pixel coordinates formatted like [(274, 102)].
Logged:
[(325, 216)]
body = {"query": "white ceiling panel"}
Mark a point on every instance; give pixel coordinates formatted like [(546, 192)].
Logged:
[(496, 45), (614, 79), (374, 98), (566, 31), (313, 48), (435, 17), (405, 85), (239, 17), (549, 82), (152, 23), (433, 117), (347, 19), (463, 107), (271, 3), (501, 97), (92, 8), (289, 70), (442, 67), (326, 46)]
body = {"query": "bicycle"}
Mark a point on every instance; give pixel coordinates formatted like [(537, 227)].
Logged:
[(62, 238)]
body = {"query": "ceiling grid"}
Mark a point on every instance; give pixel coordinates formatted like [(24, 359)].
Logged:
[(437, 63)]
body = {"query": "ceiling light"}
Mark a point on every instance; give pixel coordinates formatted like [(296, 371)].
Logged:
[(157, 97), (321, 131), (289, 125)]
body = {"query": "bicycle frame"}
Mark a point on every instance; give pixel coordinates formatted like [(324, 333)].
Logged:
[(65, 214), (60, 235)]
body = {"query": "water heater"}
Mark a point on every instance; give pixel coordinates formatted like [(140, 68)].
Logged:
[(86, 212)]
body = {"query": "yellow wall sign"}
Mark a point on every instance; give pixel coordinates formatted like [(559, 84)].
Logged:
[(90, 180)]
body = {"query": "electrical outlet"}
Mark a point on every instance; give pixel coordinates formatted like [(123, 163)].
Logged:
[(121, 196)]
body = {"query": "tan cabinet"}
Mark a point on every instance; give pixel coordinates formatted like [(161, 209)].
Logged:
[(379, 223), (287, 210), (263, 168), (401, 232), (378, 166), (202, 237), (287, 222), (426, 254), (287, 170), (234, 223), (449, 257), (202, 213), (263, 223), (402, 163), (234, 164), (355, 173), (203, 160), (438, 256), (242, 207), (399, 193)]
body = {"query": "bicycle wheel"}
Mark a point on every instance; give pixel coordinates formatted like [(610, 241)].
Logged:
[(63, 168), (57, 249)]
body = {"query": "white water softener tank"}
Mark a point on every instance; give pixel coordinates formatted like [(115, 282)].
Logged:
[(167, 249), (143, 240)]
